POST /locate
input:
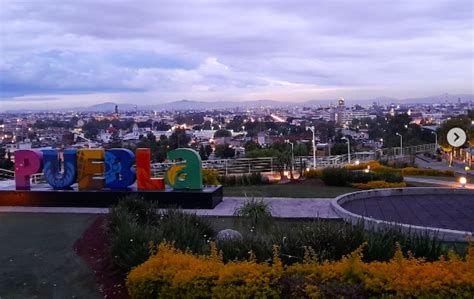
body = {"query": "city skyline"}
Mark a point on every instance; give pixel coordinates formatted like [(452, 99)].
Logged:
[(82, 53)]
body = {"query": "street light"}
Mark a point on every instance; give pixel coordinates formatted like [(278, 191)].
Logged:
[(436, 139), (314, 146), (348, 149), (463, 181), (401, 144), (292, 155)]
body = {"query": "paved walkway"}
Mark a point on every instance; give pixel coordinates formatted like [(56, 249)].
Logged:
[(281, 208), (443, 165), (452, 184)]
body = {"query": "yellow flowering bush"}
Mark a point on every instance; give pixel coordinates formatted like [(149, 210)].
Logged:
[(210, 177), (398, 278), (170, 273), (313, 173), (378, 185), (372, 164), (174, 274)]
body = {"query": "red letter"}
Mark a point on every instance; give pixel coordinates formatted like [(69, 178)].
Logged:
[(144, 180)]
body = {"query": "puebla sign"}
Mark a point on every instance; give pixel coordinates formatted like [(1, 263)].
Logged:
[(98, 169)]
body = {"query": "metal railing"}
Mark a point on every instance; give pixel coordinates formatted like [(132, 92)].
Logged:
[(408, 150), (269, 164)]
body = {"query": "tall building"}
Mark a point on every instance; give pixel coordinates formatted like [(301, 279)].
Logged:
[(116, 111), (340, 111)]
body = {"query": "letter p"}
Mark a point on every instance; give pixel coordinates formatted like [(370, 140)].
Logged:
[(27, 162)]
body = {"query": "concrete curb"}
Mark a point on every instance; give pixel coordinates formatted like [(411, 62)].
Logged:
[(375, 224)]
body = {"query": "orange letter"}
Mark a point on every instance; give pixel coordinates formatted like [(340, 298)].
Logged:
[(90, 169), (144, 180)]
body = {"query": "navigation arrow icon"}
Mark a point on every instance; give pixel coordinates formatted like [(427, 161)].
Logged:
[(456, 137)]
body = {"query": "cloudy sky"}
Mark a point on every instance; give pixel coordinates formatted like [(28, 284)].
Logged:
[(67, 53)]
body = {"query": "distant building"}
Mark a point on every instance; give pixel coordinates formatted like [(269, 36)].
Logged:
[(340, 111), (263, 138)]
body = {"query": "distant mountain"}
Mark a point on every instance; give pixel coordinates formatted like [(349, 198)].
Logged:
[(201, 105), (107, 106), (442, 98)]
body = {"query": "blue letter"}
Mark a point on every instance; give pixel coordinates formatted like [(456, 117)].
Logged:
[(52, 168), (118, 168)]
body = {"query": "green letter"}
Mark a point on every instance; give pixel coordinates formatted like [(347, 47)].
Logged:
[(186, 175)]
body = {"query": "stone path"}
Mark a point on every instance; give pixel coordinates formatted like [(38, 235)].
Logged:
[(281, 208)]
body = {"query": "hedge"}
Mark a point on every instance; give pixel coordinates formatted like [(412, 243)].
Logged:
[(379, 168), (170, 273), (345, 177)]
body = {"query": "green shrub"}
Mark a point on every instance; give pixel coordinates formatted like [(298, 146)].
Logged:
[(381, 245), (128, 240), (254, 178), (257, 245), (134, 223), (391, 177), (330, 240), (142, 211), (364, 177), (257, 214), (336, 176)]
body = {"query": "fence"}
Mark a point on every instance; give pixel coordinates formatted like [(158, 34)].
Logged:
[(269, 164)]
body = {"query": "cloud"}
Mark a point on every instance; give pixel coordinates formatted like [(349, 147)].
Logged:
[(236, 49)]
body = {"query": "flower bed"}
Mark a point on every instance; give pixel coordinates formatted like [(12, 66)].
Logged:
[(378, 185), (171, 273)]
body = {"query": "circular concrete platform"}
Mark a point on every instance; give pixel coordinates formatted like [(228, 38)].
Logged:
[(445, 212)]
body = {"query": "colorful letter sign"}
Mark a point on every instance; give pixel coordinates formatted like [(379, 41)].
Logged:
[(52, 172), (118, 168), (145, 182), (90, 169), (95, 169), (187, 175), (27, 162)]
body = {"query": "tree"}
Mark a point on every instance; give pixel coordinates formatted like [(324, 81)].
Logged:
[(208, 150), (222, 133), (224, 151), (115, 141), (5, 159), (301, 150), (203, 153), (179, 139), (462, 122), (339, 149), (251, 145)]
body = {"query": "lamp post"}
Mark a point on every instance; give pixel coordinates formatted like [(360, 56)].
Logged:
[(401, 144), (314, 146), (292, 155), (436, 140), (348, 149)]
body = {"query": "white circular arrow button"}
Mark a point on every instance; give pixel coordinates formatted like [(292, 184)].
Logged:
[(456, 137)]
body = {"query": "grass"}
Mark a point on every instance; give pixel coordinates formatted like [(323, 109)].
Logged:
[(37, 257), (287, 190)]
